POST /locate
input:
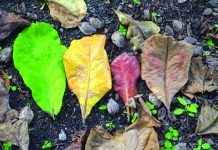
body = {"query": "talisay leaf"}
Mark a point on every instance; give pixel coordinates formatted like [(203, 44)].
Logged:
[(126, 71), (165, 66), (203, 78), (68, 12), (137, 31), (207, 121), (38, 56), (88, 71), (9, 21)]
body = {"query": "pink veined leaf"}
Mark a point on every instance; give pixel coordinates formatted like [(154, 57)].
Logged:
[(126, 71)]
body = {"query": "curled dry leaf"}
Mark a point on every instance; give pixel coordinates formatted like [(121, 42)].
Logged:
[(68, 12), (138, 136), (207, 120), (203, 78), (165, 66), (88, 71), (126, 71), (77, 141), (9, 21), (137, 31)]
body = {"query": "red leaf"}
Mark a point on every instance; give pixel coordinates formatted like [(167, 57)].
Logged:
[(126, 71)]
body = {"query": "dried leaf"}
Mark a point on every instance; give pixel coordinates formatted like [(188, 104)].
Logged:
[(9, 21), (207, 121), (138, 31), (68, 12), (165, 66), (203, 78), (88, 71), (126, 71), (76, 141), (138, 136)]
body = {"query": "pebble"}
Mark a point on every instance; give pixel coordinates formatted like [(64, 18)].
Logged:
[(117, 97), (147, 14), (181, 1), (190, 40), (198, 51), (213, 3), (153, 99), (23, 7), (207, 11), (178, 26), (168, 31), (161, 113), (26, 114), (118, 39), (5, 54), (215, 9), (86, 28), (61, 30), (32, 16), (210, 141), (62, 136), (96, 23), (215, 14), (112, 107), (181, 146)]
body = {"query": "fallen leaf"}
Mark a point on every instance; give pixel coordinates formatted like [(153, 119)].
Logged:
[(77, 141), (165, 66), (88, 71), (202, 78), (9, 21), (38, 56), (138, 136), (126, 71), (212, 61), (138, 31), (207, 120), (68, 12)]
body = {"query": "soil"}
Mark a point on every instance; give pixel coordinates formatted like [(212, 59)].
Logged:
[(43, 127)]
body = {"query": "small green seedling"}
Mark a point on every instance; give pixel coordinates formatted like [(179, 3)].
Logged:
[(122, 30), (172, 134), (216, 27), (202, 146), (136, 2), (191, 109), (0, 48), (168, 146), (9, 77), (110, 125), (7, 145), (151, 107), (42, 6), (102, 107), (47, 144), (154, 16), (210, 43), (133, 116)]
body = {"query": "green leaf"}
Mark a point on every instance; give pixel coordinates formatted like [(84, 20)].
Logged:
[(171, 129), (38, 56), (182, 101), (150, 105), (192, 108), (191, 115), (122, 30), (173, 148), (178, 111), (210, 43), (13, 88), (175, 133), (167, 144), (169, 135), (136, 1), (200, 141), (102, 107), (175, 138), (154, 111), (205, 146)]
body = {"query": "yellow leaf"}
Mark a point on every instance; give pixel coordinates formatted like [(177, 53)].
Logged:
[(88, 72)]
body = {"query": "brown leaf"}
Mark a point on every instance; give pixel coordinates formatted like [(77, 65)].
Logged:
[(207, 120), (77, 141), (68, 12), (203, 78), (9, 21), (138, 136), (165, 66)]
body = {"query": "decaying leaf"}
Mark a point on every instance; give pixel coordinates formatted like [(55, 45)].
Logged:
[(138, 136), (126, 71), (207, 121), (203, 78), (165, 66), (77, 141), (138, 31), (68, 12), (9, 21), (88, 71)]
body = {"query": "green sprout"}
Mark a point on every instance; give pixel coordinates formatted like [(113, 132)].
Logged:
[(110, 125), (7, 145), (47, 144), (172, 134), (136, 2), (13, 88), (154, 16), (168, 146), (42, 6), (133, 116), (191, 109), (210, 43), (151, 107), (9, 77), (216, 27), (202, 146), (122, 30), (0, 48), (102, 107)]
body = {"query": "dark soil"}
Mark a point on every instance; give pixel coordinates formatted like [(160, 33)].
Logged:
[(43, 127)]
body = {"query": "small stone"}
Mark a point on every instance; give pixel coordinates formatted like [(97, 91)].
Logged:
[(181, 146), (215, 9), (23, 7), (207, 11), (147, 14), (96, 23), (213, 3), (178, 26), (26, 114), (32, 16), (86, 28), (153, 99), (112, 107), (118, 39), (215, 14), (117, 97), (161, 113), (210, 141), (61, 30), (168, 31), (181, 1), (5, 54), (191, 40), (159, 20), (102, 116), (62, 136), (198, 51)]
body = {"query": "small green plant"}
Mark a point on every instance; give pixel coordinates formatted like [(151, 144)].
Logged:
[(47, 144), (191, 109), (13, 88), (133, 116), (9, 77), (110, 125), (122, 30), (172, 134), (7, 145), (151, 107), (210, 43), (0, 48), (216, 27), (202, 146), (154, 16), (168, 146), (136, 2), (102, 107)]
